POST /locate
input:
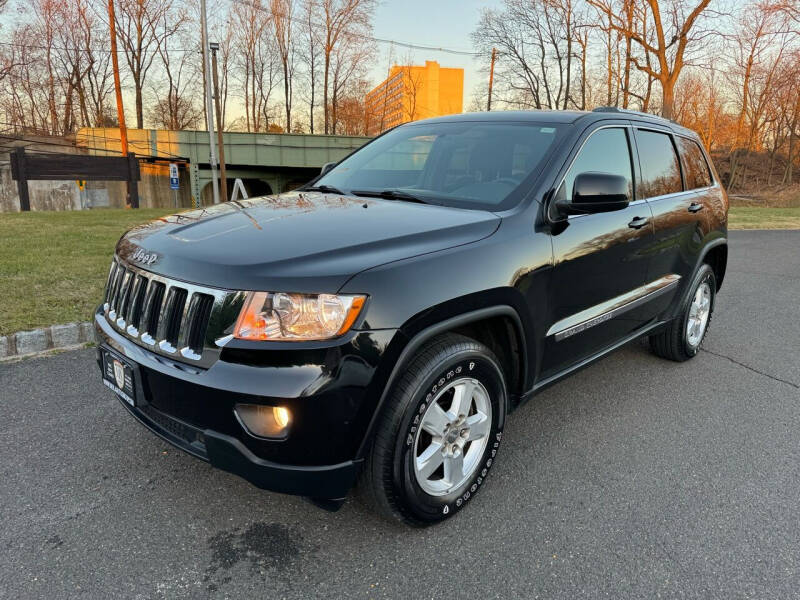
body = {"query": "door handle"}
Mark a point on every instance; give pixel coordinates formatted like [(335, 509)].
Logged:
[(638, 222), (695, 207)]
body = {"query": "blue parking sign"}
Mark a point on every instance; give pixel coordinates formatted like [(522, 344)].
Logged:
[(173, 176)]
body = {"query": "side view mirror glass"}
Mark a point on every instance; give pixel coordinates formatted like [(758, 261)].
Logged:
[(596, 193), (327, 167)]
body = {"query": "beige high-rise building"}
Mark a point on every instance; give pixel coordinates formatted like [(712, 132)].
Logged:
[(413, 92)]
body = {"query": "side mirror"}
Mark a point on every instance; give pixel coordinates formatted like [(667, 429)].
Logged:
[(596, 193), (327, 167)]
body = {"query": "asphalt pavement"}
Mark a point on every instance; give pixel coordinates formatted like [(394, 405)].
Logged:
[(635, 478)]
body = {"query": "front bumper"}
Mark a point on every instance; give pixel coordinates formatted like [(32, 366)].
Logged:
[(229, 454), (331, 392)]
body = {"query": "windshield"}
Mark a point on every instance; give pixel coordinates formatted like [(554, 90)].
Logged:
[(481, 165)]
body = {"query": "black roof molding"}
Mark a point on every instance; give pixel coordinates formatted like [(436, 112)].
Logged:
[(627, 111)]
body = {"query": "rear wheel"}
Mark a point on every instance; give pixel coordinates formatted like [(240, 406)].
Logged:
[(439, 433), (681, 339)]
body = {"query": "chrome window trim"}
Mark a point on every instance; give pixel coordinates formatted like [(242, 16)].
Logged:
[(580, 149), (605, 311)]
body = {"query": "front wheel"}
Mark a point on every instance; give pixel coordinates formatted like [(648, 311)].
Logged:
[(439, 433), (680, 340)]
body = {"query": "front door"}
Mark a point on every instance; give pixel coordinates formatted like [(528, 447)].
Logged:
[(600, 261)]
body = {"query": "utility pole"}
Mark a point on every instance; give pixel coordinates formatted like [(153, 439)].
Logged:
[(212, 154), (123, 130), (491, 79), (223, 181)]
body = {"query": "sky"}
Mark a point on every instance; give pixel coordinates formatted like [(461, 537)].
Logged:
[(440, 23)]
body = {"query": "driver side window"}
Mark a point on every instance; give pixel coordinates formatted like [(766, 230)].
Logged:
[(605, 151)]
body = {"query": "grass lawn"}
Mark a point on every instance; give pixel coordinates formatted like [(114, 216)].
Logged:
[(750, 217), (53, 265)]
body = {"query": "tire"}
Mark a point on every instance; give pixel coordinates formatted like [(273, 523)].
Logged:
[(397, 480), (676, 341)]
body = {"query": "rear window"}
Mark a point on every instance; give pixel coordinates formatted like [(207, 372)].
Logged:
[(661, 173), (695, 167)]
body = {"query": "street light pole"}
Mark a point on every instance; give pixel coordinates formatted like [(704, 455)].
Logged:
[(209, 104), (223, 181)]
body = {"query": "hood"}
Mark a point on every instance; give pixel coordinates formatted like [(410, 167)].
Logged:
[(296, 242)]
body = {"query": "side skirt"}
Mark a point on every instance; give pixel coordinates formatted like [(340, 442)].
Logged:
[(545, 383)]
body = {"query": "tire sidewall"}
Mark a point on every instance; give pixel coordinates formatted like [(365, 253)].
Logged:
[(422, 505), (705, 274)]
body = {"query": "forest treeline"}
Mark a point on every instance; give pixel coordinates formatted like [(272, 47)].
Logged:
[(728, 69)]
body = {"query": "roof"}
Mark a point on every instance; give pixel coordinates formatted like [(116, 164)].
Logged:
[(563, 116), (538, 116)]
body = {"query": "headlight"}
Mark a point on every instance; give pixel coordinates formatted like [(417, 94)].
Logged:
[(278, 316)]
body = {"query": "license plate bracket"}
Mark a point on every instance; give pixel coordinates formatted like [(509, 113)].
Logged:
[(118, 376)]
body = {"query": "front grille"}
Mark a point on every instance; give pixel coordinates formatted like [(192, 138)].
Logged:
[(169, 317)]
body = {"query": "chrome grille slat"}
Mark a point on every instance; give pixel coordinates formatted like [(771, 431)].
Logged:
[(124, 295), (196, 331), (114, 292), (135, 313), (176, 319), (172, 316), (112, 273), (154, 307)]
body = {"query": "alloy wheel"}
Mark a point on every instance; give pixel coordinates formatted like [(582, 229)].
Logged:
[(452, 436), (699, 311)]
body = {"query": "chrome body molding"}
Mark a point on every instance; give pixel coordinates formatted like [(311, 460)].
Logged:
[(614, 307)]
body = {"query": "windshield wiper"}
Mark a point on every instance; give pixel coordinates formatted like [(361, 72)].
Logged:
[(390, 195), (328, 189)]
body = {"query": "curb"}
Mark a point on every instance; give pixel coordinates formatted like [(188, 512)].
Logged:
[(56, 337)]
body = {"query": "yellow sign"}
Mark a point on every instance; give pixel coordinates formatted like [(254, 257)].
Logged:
[(81, 184)]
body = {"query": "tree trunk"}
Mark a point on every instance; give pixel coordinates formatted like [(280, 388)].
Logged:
[(668, 104), (139, 105), (325, 87)]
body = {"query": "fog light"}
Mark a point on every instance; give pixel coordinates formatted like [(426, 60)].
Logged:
[(264, 421)]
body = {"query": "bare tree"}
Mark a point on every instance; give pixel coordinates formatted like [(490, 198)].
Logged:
[(174, 106), (143, 26), (412, 85), (758, 26), (674, 31), (343, 22), (309, 55), (536, 40), (257, 62), (283, 17)]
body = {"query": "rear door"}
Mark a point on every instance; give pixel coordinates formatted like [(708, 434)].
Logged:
[(669, 185), (601, 260)]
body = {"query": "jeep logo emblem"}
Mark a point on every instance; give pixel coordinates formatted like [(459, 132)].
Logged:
[(143, 257)]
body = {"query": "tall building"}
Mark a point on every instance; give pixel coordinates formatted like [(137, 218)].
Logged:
[(413, 92)]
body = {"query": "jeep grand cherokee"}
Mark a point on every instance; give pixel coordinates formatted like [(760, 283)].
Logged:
[(378, 325)]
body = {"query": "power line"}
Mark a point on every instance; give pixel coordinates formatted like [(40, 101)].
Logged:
[(400, 43), (89, 50)]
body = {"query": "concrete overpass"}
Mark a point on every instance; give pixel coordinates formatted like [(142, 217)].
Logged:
[(266, 162)]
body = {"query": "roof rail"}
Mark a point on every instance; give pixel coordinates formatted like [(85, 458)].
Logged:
[(615, 109)]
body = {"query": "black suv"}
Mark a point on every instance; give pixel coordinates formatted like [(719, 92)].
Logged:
[(379, 324)]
